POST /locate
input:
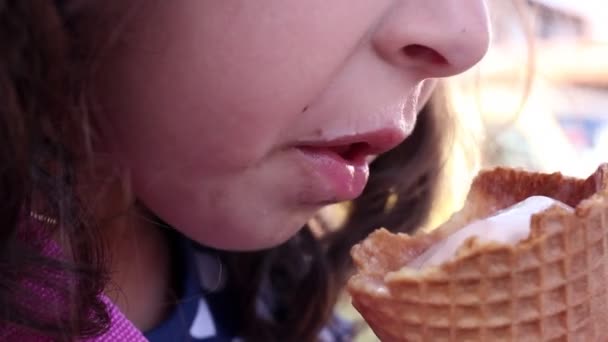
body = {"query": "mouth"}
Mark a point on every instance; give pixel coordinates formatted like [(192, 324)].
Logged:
[(341, 165), (342, 169)]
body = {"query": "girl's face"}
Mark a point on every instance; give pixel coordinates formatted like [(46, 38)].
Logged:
[(238, 119)]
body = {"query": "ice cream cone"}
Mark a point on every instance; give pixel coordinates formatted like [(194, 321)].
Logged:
[(551, 286)]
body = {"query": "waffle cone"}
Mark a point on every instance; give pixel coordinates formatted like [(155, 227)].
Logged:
[(551, 286)]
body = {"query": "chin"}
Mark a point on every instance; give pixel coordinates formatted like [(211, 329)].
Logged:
[(244, 238), (246, 228), (248, 243)]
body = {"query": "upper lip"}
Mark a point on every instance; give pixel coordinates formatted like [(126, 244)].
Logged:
[(356, 146)]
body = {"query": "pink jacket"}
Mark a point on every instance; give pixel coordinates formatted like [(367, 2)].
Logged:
[(121, 328)]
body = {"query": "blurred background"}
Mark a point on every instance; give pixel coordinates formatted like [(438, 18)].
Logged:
[(563, 71), (539, 99)]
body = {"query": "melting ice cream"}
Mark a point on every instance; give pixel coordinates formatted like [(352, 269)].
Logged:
[(508, 226)]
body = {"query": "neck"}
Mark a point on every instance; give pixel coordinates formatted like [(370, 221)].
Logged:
[(138, 253), (140, 270)]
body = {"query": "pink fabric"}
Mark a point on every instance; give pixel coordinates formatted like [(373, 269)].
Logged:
[(121, 329)]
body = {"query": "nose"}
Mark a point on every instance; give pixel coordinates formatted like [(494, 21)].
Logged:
[(436, 38)]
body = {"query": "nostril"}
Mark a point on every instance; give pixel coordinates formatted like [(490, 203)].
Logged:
[(423, 53)]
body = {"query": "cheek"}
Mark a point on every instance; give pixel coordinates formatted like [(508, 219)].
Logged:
[(216, 85), (181, 120), (217, 121)]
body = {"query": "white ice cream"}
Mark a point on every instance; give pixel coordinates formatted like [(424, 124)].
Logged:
[(508, 226)]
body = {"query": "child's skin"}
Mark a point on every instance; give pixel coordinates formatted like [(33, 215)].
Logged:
[(209, 105)]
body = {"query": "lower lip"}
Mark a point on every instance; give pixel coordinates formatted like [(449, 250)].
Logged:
[(346, 179)]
